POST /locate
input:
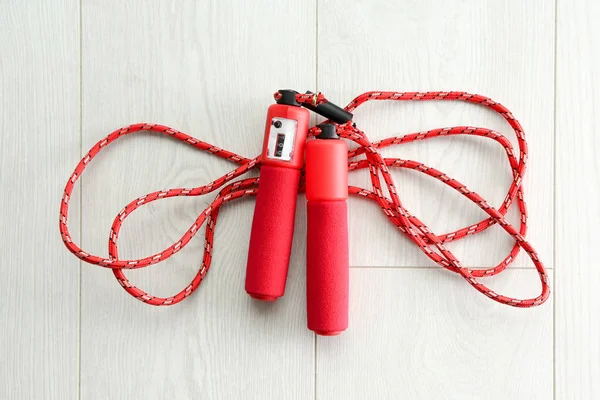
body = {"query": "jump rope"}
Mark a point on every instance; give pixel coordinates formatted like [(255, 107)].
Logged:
[(290, 164)]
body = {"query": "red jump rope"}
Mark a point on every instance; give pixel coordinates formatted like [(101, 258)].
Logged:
[(323, 175)]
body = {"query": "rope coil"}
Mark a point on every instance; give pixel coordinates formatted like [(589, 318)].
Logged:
[(431, 244)]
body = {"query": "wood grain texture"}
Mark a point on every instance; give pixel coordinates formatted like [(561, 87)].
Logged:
[(208, 69), (425, 334), (501, 49), (577, 198), (40, 141)]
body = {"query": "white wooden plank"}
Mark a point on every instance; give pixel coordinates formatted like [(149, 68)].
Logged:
[(209, 69), (425, 334), (577, 197), (40, 142), (501, 49)]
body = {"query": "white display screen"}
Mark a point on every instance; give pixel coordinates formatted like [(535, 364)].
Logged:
[(282, 136)]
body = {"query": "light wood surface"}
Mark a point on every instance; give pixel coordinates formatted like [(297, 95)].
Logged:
[(205, 70), (577, 352), (414, 334), (503, 50), (39, 143), (72, 71)]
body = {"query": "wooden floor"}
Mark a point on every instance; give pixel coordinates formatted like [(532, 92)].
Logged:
[(71, 71)]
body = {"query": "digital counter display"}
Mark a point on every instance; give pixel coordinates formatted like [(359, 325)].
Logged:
[(282, 134)]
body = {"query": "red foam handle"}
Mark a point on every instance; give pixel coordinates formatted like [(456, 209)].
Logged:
[(272, 232), (327, 267)]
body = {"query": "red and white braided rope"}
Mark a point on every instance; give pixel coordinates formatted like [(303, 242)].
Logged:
[(431, 244)]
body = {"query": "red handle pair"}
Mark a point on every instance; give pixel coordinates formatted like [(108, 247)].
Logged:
[(274, 213)]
